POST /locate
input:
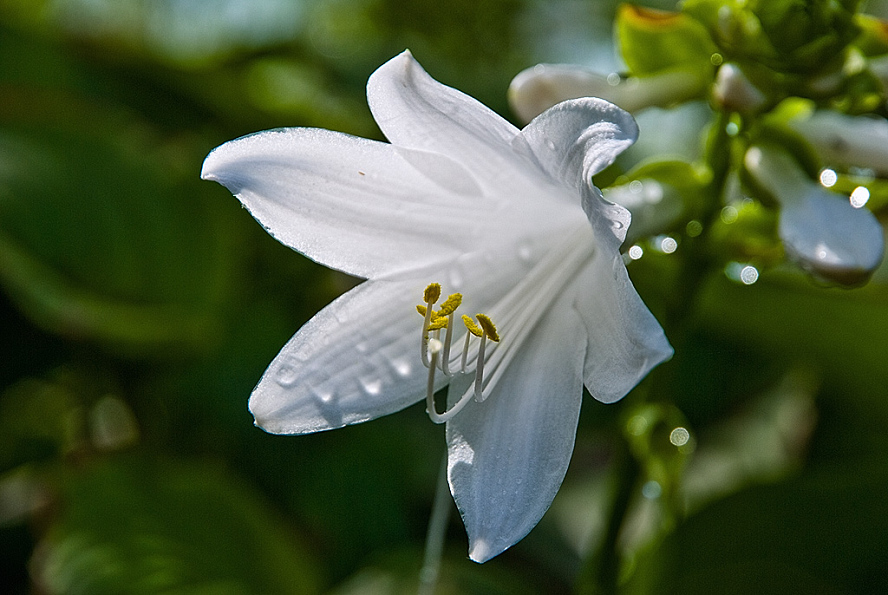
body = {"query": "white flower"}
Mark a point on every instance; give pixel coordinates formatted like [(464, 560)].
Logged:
[(820, 229), (538, 88), (463, 198)]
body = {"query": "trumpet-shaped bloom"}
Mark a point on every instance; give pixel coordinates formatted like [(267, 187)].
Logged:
[(510, 219)]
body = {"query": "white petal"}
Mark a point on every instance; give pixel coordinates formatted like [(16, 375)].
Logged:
[(414, 110), (654, 206), (508, 455), (352, 204), (578, 138), (355, 360), (625, 340)]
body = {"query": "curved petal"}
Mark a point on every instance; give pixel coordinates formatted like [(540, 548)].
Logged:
[(355, 360), (508, 455), (576, 139), (352, 204), (414, 110), (625, 340)]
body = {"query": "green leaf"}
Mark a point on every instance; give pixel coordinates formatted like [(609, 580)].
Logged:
[(140, 526), (99, 242), (824, 532), (653, 41)]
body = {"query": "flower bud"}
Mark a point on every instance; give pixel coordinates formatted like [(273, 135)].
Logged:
[(840, 139), (823, 232), (733, 91), (540, 87)]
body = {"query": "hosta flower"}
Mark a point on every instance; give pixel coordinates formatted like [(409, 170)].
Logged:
[(509, 219), (821, 230)]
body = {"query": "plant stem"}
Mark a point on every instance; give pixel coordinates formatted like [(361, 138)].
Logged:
[(437, 532)]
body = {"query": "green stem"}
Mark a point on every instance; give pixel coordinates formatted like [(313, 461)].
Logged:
[(434, 547), (600, 574)]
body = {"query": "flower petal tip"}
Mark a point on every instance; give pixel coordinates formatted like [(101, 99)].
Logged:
[(480, 551)]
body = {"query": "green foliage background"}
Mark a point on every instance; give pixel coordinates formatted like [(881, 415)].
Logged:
[(140, 305)]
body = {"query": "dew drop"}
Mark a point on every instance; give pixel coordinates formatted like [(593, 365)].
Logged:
[(652, 490), (286, 374), (859, 197), (371, 386), (729, 214), (322, 395), (402, 367), (456, 279), (749, 275), (525, 252), (679, 436), (551, 145), (668, 245)]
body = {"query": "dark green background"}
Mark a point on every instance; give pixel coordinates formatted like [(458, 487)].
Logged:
[(136, 295)]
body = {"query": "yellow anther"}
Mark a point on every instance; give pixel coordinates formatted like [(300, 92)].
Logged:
[(432, 293), (450, 304), (488, 326), (422, 310), (438, 322), (470, 324)]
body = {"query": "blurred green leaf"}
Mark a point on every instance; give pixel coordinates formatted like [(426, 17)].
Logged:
[(98, 243), (137, 525), (823, 532), (653, 41)]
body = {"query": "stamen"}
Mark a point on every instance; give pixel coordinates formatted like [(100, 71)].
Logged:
[(436, 353), (432, 293), (488, 326), (486, 330)]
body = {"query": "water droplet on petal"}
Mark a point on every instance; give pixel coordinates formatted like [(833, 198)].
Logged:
[(322, 395), (371, 386), (525, 251), (551, 145), (401, 367), (456, 279), (286, 374)]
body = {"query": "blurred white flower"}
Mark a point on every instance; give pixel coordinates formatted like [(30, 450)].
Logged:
[(540, 87), (820, 229), (733, 91), (840, 139), (508, 217)]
